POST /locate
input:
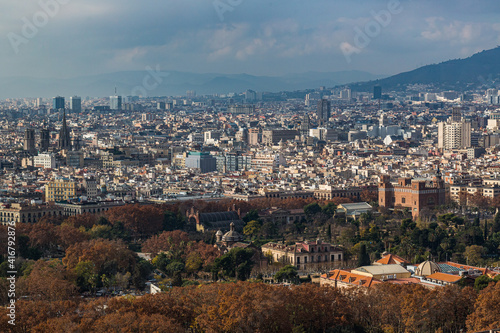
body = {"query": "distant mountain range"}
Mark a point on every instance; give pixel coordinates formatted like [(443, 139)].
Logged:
[(172, 83), (481, 70)]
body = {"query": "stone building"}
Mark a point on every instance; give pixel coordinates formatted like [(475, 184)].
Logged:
[(412, 193), (22, 213), (215, 221), (305, 255)]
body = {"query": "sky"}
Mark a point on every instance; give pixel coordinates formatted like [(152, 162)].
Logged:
[(71, 38)]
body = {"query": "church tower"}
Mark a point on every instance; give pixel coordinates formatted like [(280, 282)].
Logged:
[(64, 137)]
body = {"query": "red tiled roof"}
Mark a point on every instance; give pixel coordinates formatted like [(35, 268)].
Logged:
[(351, 278), (392, 259), (444, 277)]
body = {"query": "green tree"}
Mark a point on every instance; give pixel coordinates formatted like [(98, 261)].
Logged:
[(482, 282), (172, 221), (252, 215), (252, 228), (237, 263), (312, 209), (288, 273), (174, 268), (363, 257), (86, 275), (329, 209), (474, 254)]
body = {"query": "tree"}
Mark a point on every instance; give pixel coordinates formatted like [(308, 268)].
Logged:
[(86, 276), (172, 221), (482, 282), (252, 215), (496, 223), (473, 254), (140, 220), (289, 273), (312, 209), (102, 253), (252, 228), (486, 315), (48, 280), (167, 241), (237, 263), (363, 256), (329, 209)]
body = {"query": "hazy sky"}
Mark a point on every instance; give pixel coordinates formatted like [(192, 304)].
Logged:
[(261, 37)]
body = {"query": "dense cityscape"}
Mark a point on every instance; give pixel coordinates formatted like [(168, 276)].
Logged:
[(327, 186), (230, 166)]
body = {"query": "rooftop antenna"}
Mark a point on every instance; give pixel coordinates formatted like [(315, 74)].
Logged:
[(115, 90)]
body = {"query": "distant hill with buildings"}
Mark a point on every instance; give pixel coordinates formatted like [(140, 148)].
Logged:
[(481, 70), (172, 83)]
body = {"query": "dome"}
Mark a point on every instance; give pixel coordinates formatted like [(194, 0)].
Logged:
[(232, 235), (427, 268), (218, 233)]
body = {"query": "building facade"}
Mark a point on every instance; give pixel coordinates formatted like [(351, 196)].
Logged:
[(412, 193), (305, 255), (60, 190)]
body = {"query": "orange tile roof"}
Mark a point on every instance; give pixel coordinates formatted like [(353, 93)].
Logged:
[(444, 277), (392, 259), (351, 278)]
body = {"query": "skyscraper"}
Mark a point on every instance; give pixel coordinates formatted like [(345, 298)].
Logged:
[(64, 137), (456, 133), (29, 140), (324, 110), (58, 103), (75, 104), (115, 102)]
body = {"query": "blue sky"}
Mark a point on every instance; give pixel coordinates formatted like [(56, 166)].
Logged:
[(260, 37)]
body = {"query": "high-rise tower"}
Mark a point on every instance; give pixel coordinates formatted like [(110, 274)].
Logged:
[(75, 104), (58, 103), (324, 110)]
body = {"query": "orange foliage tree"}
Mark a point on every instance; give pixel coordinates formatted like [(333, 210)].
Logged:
[(486, 313), (102, 253), (141, 220)]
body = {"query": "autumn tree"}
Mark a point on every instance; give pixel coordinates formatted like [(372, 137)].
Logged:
[(486, 313), (141, 220), (108, 257), (48, 280)]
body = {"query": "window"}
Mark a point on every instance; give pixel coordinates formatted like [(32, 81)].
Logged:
[(340, 257), (298, 260), (333, 257), (403, 200), (305, 260)]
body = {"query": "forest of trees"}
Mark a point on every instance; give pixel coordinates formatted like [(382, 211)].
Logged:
[(60, 259), (258, 307)]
